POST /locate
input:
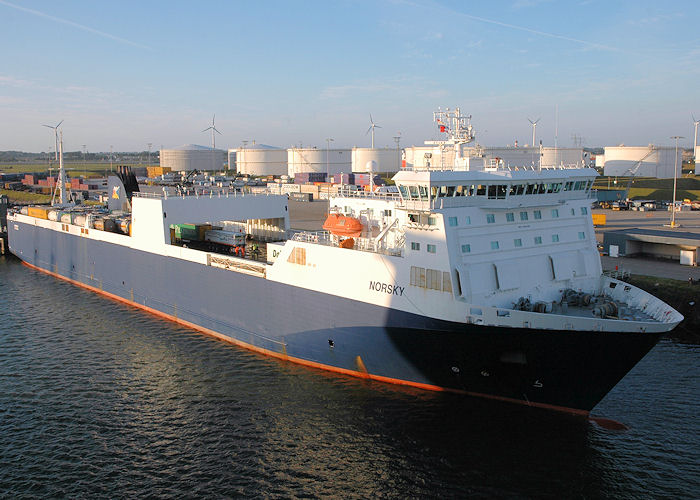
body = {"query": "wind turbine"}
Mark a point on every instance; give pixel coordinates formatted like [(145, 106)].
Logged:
[(55, 130), (213, 129), (534, 128), (372, 127), (695, 145)]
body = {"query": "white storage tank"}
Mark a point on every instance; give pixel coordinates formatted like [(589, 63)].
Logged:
[(387, 159), (528, 156), (261, 159), (192, 156), (331, 161), (656, 161)]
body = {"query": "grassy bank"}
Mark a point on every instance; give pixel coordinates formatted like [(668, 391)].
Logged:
[(24, 197), (654, 189)]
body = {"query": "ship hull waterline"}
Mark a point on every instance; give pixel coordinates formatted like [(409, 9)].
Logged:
[(569, 371)]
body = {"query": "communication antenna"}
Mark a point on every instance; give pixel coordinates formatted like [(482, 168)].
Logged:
[(695, 144), (371, 128), (534, 129), (55, 130)]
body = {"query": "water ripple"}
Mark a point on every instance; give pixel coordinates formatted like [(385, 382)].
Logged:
[(101, 400)]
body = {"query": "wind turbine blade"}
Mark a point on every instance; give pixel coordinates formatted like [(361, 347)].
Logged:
[(49, 126), (208, 128), (59, 124), (538, 119), (370, 118), (377, 126), (217, 131), (370, 128)]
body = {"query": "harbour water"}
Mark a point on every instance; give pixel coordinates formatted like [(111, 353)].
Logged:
[(98, 399)]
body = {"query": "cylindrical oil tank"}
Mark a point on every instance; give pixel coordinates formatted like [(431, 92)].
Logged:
[(79, 219), (387, 159), (66, 217), (192, 157), (261, 159), (331, 161), (655, 161)]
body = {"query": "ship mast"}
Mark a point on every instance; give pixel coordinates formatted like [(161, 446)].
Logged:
[(62, 174)]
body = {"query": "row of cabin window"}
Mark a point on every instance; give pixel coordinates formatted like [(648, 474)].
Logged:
[(493, 191), (416, 246), (518, 242), (510, 216), (431, 279)]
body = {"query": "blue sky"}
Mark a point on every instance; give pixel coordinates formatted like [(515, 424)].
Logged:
[(287, 73)]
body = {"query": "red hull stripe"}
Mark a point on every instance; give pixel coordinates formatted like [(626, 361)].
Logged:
[(313, 364)]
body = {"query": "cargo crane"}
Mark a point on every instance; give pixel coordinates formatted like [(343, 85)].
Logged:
[(632, 171), (187, 181)]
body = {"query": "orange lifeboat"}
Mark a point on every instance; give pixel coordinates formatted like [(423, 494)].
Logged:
[(341, 225)]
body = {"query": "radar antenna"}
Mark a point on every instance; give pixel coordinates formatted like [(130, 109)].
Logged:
[(457, 127)]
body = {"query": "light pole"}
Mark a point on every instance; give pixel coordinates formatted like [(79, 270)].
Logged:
[(149, 154), (675, 171), (110, 158), (328, 149)]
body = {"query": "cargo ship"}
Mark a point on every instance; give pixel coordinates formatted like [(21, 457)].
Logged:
[(475, 278)]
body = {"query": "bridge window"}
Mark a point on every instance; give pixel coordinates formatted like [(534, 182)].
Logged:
[(510, 217), (432, 248), (403, 190), (538, 240), (466, 248), (490, 218), (523, 215), (452, 221), (584, 210), (415, 245), (555, 213), (517, 242), (413, 191), (537, 214), (423, 191)]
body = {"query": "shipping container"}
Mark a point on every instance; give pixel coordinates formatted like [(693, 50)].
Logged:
[(38, 212), (599, 219), (194, 232), (301, 196)]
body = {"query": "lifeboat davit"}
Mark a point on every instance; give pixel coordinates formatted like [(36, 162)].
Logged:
[(342, 225)]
